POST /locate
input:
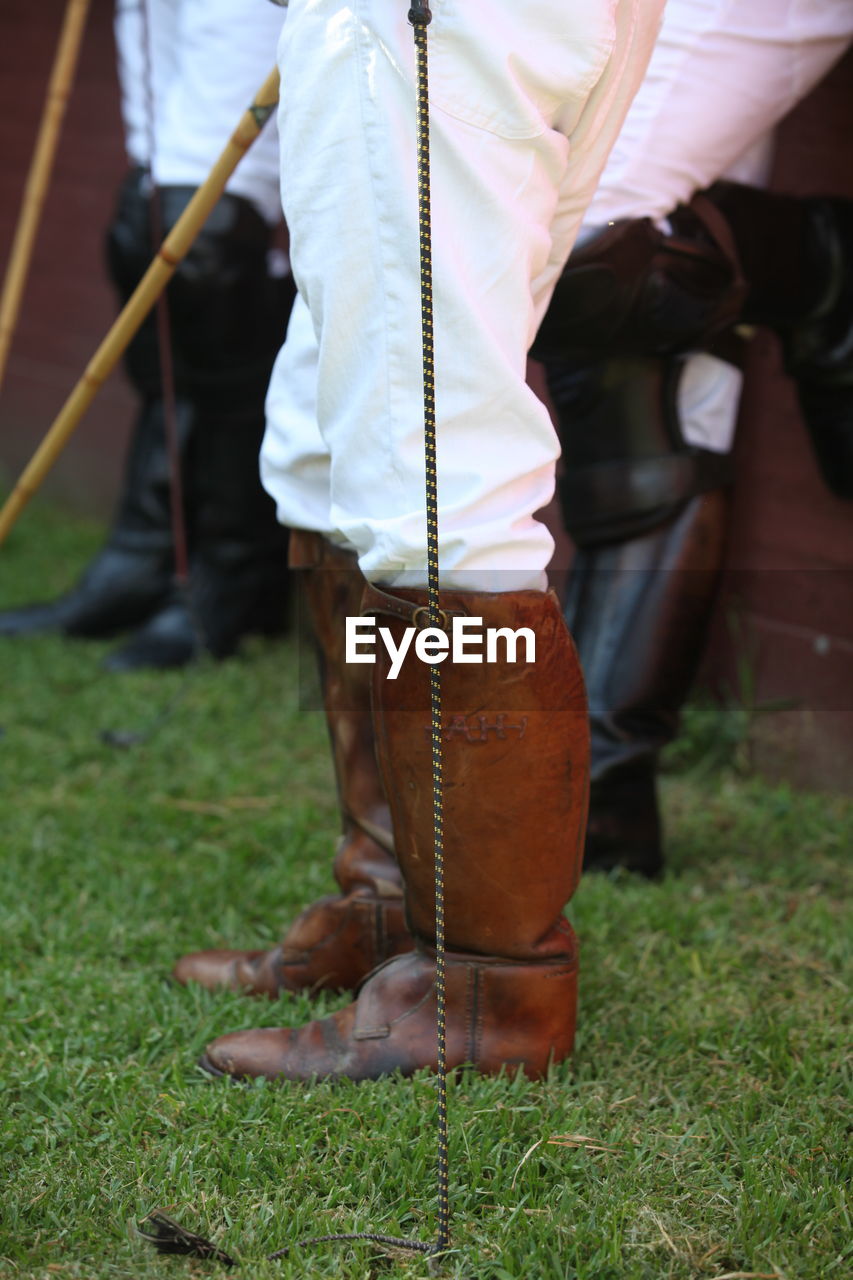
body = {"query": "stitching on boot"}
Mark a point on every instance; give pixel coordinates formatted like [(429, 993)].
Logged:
[(380, 947), (473, 1012)]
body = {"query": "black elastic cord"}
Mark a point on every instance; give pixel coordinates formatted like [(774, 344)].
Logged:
[(420, 17)]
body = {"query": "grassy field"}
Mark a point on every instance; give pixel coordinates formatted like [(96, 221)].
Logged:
[(698, 1134)]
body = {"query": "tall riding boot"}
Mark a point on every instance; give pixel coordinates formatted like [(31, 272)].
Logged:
[(515, 776), (797, 257), (646, 509), (335, 942), (228, 316), (131, 577), (639, 612), (648, 515)]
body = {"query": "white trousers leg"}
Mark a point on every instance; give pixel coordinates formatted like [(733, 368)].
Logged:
[(722, 75), (526, 102), (207, 58), (295, 463)]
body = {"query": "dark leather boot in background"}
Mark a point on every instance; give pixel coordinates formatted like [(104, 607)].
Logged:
[(335, 942), (228, 317), (639, 611), (131, 578), (515, 765), (649, 517), (647, 510)]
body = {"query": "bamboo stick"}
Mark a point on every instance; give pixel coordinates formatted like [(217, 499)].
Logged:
[(38, 178), (152, 284)]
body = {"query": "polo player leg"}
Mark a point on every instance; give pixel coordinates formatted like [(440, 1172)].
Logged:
[(508, 189), (228, 314), (645, 423)]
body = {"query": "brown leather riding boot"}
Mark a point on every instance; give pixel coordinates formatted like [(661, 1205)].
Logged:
[(515, 780), (336, 941)]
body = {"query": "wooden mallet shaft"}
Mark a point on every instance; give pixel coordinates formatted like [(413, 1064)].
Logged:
[(152, 284), (38, 178)]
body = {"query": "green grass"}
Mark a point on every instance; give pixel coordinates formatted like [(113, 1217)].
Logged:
[(699, 1131)]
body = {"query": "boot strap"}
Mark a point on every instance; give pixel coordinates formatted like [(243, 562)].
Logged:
[(375, 600)]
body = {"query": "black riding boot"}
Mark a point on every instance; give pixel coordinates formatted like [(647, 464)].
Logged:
[(238, 563), (131, 577), (646, 510), (228, 316), (648, 515), (639, 611)]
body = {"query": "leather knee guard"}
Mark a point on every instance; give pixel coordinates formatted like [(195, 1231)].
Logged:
[(633, 290), (228, 313), (648, 516)]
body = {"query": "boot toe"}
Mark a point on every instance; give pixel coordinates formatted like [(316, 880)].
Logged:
[(234, 970), (263, 1052), (167, 640), (220, 1057), (31, 620)]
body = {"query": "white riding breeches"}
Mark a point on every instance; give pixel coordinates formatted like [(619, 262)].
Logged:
[(188, 69), (722, 76), (526, 102)]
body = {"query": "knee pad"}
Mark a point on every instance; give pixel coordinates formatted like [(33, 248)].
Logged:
[(628, 308), (633, 290), (626, 467), (228, 312)]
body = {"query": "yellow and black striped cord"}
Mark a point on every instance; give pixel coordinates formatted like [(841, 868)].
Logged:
[(420, 17)]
